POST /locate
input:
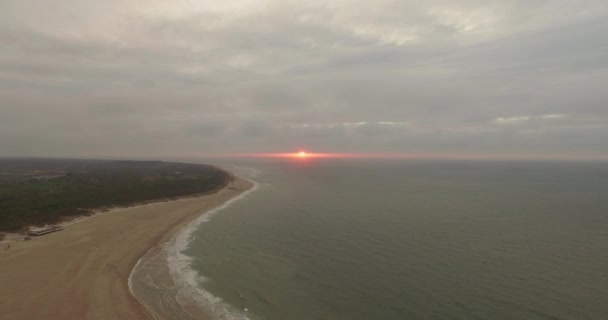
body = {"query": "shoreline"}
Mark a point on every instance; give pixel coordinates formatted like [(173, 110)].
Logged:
[(163, 281), (83, 272)]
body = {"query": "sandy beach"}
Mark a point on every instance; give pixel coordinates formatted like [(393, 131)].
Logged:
[(82, 272)]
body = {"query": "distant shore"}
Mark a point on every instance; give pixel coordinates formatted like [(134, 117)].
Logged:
[(82, 272)]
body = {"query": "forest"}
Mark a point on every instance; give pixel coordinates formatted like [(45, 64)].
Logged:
[(46, 191)]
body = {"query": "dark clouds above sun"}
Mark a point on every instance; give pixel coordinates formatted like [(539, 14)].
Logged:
[(187, 78)]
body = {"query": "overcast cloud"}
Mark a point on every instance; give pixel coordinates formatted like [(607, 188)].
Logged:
[(155, 78)]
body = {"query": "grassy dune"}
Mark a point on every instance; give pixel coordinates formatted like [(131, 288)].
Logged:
[(42, 191)]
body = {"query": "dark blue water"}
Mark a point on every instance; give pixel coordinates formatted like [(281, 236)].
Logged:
[(400, 240)]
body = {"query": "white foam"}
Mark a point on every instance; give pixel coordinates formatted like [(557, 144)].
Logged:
[(130, 285), (186, 279)]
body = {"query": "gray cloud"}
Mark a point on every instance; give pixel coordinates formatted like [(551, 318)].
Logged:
[(188, 78)]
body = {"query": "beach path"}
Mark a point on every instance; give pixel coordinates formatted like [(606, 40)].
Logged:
[(82, 272)]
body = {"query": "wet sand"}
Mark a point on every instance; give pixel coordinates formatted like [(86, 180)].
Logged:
[(82, 272)]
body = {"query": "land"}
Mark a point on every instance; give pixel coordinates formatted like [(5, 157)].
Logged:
[(36, 192), (82, 271)]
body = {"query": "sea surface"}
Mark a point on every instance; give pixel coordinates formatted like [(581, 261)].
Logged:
[(395, 240)]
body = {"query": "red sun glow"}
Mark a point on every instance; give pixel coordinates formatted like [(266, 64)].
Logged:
[(302, 154)]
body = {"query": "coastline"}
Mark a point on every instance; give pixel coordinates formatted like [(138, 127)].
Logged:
[(164, 282), (83, 272)]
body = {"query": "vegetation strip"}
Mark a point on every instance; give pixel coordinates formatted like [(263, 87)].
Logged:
[(47, 191)]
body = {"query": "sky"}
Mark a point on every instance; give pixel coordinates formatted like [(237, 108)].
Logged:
[(185, 78)]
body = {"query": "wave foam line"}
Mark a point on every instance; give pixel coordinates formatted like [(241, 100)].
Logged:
[(186, 279)]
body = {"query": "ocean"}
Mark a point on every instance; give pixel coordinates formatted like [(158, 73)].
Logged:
[(393, 240)]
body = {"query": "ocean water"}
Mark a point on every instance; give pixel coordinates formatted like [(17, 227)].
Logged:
[(355, 239)]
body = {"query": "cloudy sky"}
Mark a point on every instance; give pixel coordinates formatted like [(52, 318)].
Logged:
[(474, 78)]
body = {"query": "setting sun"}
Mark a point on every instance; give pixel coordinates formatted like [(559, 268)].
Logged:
[(302, 154)]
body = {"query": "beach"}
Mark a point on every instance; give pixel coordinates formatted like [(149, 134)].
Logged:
[(82, 272)]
